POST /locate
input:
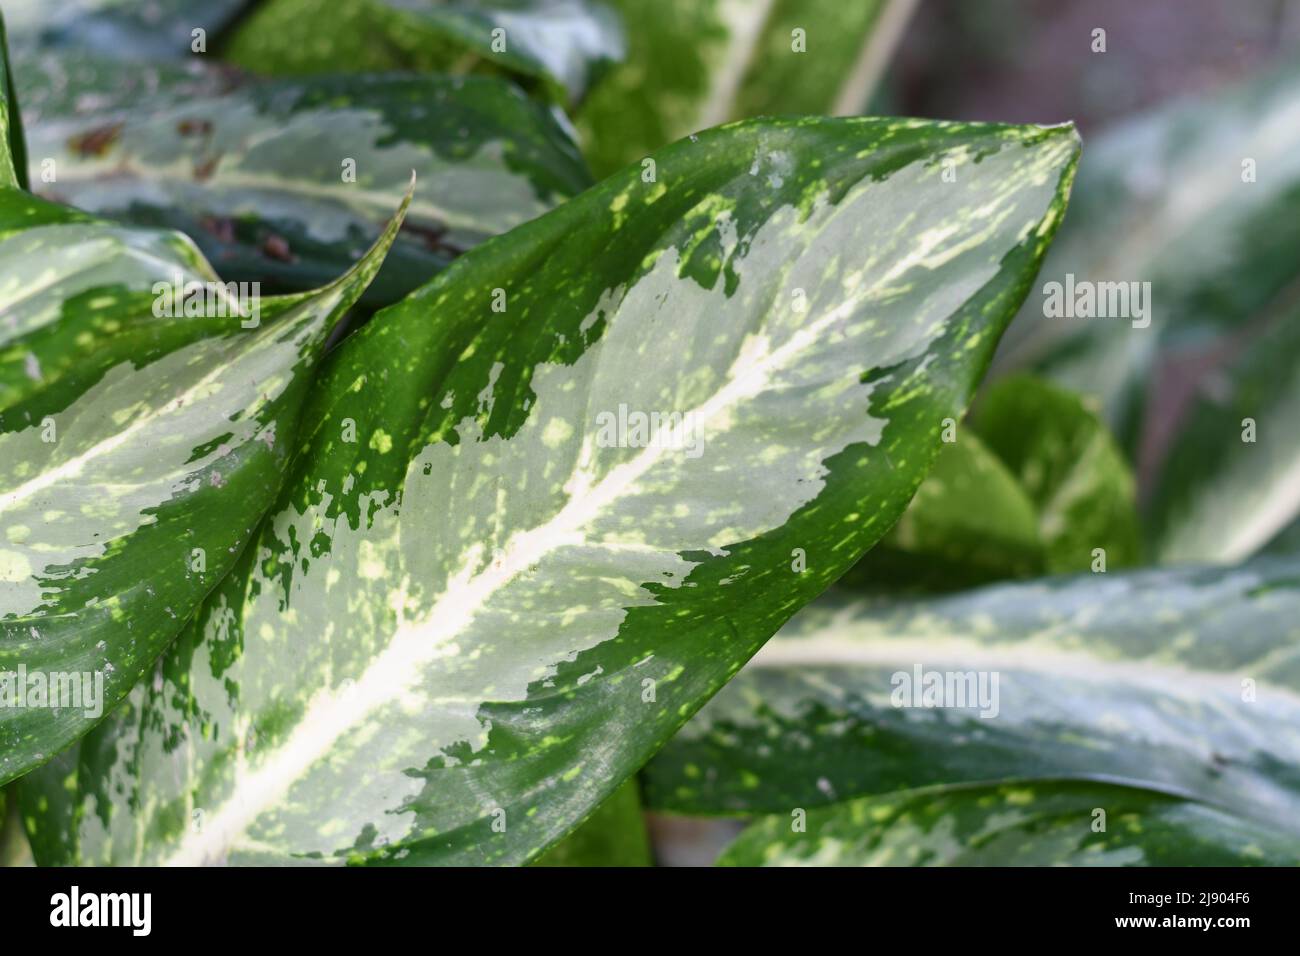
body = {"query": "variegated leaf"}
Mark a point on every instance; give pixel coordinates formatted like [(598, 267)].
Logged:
[(139, 446), (286, 183), (157, 29), (1034, 823), (559, 44), (1185, 682), (61, 85), (1199, 200), (488, 594), (692, 64), (1231, 481)]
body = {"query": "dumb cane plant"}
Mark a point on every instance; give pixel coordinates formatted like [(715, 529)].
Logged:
[(434, 555)]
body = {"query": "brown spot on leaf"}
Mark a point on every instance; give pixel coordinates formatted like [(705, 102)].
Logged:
[(433, 238), (277, 247), (95, 142), (193, 127), (220, 226), (205, 169)]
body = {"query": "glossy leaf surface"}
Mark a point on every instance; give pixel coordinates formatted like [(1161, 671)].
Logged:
[(1179, 681), (482, 602), (139, 447)]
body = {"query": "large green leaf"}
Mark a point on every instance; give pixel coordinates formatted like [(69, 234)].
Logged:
[(461, 631), (1186, 682), (1231, 481), (970, 523), (287, 183), (558, 43), (1068, 463), (125, 28), (696, 63), (13, 167), (614, 835), (1037, 823), (137, 451), (1162, 199)]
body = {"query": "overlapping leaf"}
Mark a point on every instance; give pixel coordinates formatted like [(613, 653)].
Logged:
[(139, 446), (1185, 682), (692, 64), (482, 602), (288, 183), (1037, 823), (970, 523), (559, 44), (614, 835), (1068, 463), (1042, 489)]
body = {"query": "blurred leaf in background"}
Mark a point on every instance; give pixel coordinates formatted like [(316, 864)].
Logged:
[(692, 64), (288, 182), (132, 30), (1202, 200), (1032, 484), (1069, 465), (559, 46), (1035, 823), (970, 522), (614, 835), (1231, 481)]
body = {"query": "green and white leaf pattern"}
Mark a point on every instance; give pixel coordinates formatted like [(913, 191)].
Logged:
[(1219, 496), (62, 85), (287, 183), (1036, 823), (157, 29), (1182, 681), (740, 61), (458, 634), (1164, 199), (560, 44), (137, 451)]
